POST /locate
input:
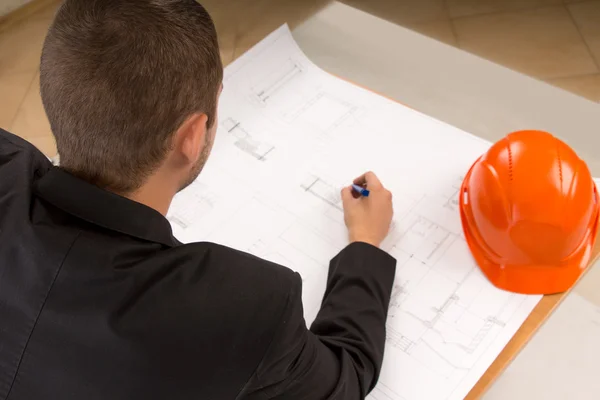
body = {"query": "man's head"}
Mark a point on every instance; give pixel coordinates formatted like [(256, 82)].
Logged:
[(130, 87)]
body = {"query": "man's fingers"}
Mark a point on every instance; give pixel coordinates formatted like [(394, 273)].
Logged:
[(361, 180), (370, 179), (373, 181), (347, 195)]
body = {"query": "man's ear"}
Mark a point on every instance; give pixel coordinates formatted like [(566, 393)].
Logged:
[(190, 138)]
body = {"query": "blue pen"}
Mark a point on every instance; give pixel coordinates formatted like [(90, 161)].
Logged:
[(361, 190)]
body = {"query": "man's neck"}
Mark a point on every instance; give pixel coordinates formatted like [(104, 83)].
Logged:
[(156, 193)]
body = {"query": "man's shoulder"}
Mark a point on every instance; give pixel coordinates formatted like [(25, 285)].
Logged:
[(236, 276), (16, 143), (14, 148), (241, 266), (20, 165), (242, 298)]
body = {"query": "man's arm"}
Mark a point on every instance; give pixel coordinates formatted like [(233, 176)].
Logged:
[(340, 356)]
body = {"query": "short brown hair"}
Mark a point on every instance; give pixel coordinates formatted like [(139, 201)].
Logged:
[(118, 77)]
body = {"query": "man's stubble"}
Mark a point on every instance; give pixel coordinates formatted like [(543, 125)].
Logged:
[(197, 168)]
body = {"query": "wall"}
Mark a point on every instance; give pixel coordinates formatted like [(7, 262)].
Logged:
[(7, 6)]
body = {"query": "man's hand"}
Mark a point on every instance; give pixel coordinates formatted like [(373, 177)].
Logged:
[(368, 218)]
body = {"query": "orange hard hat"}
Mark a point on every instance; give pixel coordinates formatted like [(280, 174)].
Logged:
[(529, 210)]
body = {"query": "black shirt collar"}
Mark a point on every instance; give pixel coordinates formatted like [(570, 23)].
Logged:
[(103, 208)]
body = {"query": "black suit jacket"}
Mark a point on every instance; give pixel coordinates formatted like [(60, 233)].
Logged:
[(99, 301)]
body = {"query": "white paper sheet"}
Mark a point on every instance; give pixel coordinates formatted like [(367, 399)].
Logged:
[(290, 136)]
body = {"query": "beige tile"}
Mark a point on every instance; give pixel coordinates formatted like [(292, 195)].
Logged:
[(439, 30), (45, 144), (36, 10), (48, 11), (227, 40), (13, 89), (543, 43), (402, 12), (21, 46), (257, 19), (31, 120), (587, 18), (462, 8), (224, 16), (227, 55), (587, 86), (246, 41)]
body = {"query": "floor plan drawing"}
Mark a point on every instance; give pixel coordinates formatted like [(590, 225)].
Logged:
[(245, 140), (383, 392), (276, 80), (323, 190), (192, 206), (455, 197), (324, 112), (448, 324), (309, 134)]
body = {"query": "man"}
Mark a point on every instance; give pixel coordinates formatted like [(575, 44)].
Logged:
[(98, 300)]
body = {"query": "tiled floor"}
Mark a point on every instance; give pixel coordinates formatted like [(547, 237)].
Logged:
[(554, 40)]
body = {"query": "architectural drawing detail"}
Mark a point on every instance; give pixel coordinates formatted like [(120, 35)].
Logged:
[(323, 190), (245, 141), (277, 81)]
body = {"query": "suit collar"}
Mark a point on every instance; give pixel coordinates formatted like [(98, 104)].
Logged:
[(103, 208)]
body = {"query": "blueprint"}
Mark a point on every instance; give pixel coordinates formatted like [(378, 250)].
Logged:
[(290, 137)]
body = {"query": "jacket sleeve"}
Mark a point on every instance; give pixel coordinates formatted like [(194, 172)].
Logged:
[(340, 356)]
